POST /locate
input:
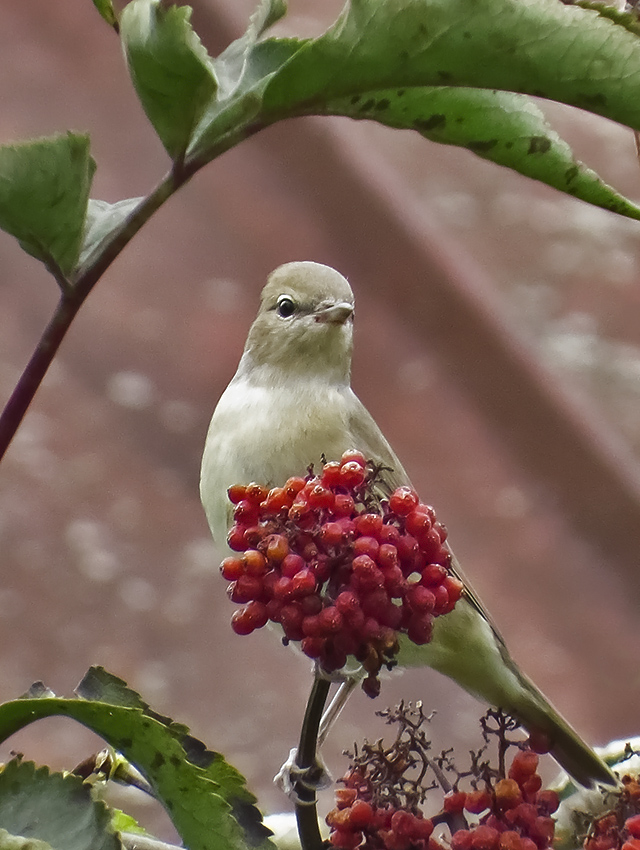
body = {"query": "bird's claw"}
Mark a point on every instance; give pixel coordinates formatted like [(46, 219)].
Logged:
[(291, 778)]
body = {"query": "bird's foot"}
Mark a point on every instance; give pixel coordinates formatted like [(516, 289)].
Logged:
[(292, 779)]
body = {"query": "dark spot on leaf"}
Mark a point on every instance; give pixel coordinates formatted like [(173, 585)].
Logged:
[(431, 123), (459, 119), (125, 743), (382, 104), (482, 147), (571, 173), (539, 144), (594, 101), (422, 29), (466, 34), (250, 819), (175, 761), (445, 76), (355, 98), (368, 105), (158, 761), (508, 145), (401, 92)]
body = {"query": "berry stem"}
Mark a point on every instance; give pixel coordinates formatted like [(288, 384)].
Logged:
[(306, 812)]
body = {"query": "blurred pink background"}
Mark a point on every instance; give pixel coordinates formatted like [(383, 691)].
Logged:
[(497, 345)]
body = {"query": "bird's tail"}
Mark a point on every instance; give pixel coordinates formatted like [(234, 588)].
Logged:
[(571, 752), (468, 649)]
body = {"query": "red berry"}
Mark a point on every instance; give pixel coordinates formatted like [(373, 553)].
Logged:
[(303, 583), (236, 493), (548, 801), (508, 794), (407, 546), (330, 620), (246, 512), (432, 575), (330, 475), (245, 588), (353, 456), (389, 534), (539, 742), (368, 525), (542, 831), (343, 505), (332, 534), (403, 500), (420, 629), (293, 485), (418, 523), (256, 614), (366, 546), (277, 548), (292, 564), (236, 539), (256, 493), (254, 563), (345, 797), (632, 825), (313, 647), (241, 623), (531, 786), (352, 475), (319, 497), (477, 801), (276, 500), (387, 557), (366, 575), (454, 801), (231, 568), (484, 838), (291, 619), (345, 839), (524, 765), (420, 599), (461, 839), (510, 840), (360, 814)]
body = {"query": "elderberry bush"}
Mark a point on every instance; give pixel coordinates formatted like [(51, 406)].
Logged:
[(503, 807), (342, 571)]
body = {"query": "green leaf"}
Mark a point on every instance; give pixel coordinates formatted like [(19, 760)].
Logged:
[(170, 69), (537, 47), (206, 798), (101, 220), (508, 129), (243, 71), (44, 189), (55, 808), (16, 842), (105, 7)]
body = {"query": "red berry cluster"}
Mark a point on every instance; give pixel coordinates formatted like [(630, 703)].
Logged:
[(342, 572), (619, 829), (515, 814), (358, 822)]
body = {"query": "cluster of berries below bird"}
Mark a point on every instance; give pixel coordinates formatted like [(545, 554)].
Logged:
[(512, 813), (343, 572)]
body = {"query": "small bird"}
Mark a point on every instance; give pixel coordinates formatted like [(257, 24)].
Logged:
[(290, 404)]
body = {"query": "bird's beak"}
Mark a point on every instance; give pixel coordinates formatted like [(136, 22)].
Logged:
[(335, 314)]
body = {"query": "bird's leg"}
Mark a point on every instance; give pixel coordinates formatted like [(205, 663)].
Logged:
[(332, 713)]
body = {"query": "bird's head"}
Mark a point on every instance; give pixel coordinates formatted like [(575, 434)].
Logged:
[(304, 326)]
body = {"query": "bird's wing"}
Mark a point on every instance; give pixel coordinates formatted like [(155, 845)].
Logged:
[(368, 438)]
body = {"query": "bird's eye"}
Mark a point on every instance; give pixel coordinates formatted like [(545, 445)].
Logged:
[(286, 306)]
